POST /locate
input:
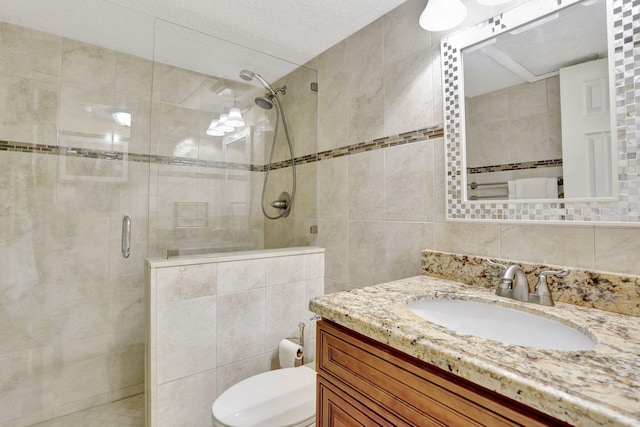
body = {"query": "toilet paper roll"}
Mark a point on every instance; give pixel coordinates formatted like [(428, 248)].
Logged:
[(288, 353)]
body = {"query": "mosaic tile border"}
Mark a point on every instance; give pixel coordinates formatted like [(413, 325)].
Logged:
[(376, 144), (626, 209), (515, 166)]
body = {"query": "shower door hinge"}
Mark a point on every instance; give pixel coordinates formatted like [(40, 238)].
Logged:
[(313, 229), (314, 86)]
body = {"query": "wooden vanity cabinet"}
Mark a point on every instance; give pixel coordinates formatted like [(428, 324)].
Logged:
[(362, 382)]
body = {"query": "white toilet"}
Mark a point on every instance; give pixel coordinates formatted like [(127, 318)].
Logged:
[(280, 398)]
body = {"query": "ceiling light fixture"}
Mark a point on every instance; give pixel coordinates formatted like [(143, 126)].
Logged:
[(122, 118), (235, 118), (441, 15), (222, 123), (212, 129)]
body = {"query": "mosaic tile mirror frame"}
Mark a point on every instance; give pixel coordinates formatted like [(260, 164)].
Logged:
[(624, 208)]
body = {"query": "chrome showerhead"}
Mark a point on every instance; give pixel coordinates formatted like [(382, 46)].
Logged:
[(264, 102), (247, 75), (250, 75)]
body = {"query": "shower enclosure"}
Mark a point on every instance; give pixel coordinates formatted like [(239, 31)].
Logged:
[(90, 133)]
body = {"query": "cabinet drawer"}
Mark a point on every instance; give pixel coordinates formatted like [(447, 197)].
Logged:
[(412, 390)]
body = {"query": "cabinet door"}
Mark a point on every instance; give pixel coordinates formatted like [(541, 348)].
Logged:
[(339, 408)]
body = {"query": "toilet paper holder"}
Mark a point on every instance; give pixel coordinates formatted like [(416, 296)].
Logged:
[(299, 339)]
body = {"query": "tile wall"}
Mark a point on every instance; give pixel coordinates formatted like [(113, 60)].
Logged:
[(216, 320), (378, 209)]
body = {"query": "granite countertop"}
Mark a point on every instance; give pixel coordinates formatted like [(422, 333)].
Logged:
[(600, 386)]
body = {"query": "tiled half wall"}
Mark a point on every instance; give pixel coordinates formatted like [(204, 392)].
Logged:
[(215, 320)]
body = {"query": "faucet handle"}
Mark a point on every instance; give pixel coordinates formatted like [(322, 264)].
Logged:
[(562, 272), (496, 264), (541, 293)]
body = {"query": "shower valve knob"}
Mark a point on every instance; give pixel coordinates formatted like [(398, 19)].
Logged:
[(279, 204)]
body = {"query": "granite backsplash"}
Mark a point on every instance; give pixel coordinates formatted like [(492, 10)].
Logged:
[(604, 291)]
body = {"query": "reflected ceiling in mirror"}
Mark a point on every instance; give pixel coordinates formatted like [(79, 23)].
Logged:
[(511, 41), (529, 130)]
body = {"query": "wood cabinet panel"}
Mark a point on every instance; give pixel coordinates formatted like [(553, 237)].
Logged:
[(407, 391)]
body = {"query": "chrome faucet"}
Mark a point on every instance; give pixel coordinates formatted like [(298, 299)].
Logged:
[(515, 285)]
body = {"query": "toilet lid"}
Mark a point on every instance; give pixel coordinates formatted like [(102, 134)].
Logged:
[(283, 397)]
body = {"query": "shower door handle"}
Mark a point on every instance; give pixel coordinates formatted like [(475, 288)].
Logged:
[(126, 236)]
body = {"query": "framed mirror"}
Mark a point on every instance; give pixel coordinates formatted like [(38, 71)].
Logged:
[(539, 119)]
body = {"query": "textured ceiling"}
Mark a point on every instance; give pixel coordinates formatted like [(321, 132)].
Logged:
[(291, 30)]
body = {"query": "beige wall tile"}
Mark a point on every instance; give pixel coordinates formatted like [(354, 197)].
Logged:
[(405, 243), (126, 305), (283, 270), (528, 99), (126, 369), (439, 183), (305, 119), (367, 194), (29, 53), (180, 283), (28, 110), (365, 83), (134, 76), (177, 130), (187, 402), (547, 244), (139, 133), (236, 276), (482, 239), (25, 407), (174, 85), (23, 372), (406, 84), (331, 286), (333, 201), (617, 249), (305, 204), (87, 65), (333, 98), (80, 380), (436, 72), (334, 237), (409, 182), (400, 26), (367, 253), (240, 326), (285, 308), (315, 266), (25, 314), (186, 339)]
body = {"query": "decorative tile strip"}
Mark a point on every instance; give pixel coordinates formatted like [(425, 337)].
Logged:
[(515, 166), (376, 144)]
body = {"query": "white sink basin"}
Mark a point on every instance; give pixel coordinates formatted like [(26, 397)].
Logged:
[(502, 324)]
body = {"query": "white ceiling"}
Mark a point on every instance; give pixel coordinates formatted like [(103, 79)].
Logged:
[(295, 31)]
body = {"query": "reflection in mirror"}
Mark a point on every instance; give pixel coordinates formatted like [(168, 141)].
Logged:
[(537, 109)]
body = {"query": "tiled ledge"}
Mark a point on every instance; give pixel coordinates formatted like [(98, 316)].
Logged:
[(604, 291), (376, 144)]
